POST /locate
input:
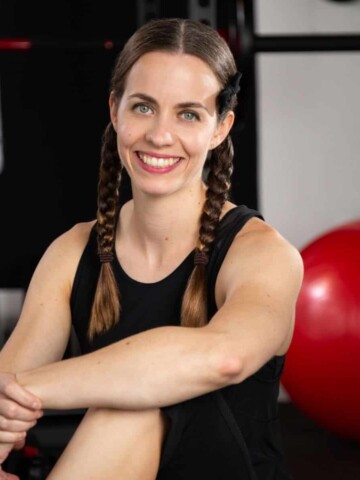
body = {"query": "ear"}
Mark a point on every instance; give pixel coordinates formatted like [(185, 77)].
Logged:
[(113, 106), (222, 130)]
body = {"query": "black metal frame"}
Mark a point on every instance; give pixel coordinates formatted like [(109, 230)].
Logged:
[(306, 43)]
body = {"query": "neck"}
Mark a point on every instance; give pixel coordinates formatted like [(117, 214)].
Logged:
[(162, 226)]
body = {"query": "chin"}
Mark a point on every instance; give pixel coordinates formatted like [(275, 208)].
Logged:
[(158, 190)]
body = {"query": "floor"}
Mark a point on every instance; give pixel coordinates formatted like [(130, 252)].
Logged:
[(312, 453), (315, 454)]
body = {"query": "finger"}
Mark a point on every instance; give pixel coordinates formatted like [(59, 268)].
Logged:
[(5, 449), (11, 437), (8, 476), (17, 393), (19, 445), (12, 410), (7, 425)]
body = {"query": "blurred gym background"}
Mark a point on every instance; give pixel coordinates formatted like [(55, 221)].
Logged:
[(297, 142)]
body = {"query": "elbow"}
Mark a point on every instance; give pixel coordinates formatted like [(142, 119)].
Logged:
[(226, 363), (230, 369)]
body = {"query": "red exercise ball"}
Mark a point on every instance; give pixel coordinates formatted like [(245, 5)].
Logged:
[(322, 368)]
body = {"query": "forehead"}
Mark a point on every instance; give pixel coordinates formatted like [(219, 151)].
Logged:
[(182, 75)]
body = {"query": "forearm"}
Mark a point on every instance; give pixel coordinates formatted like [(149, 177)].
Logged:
[(155, 368)]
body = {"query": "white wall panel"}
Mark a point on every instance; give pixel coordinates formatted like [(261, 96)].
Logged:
[(275, 17), (308, 141)]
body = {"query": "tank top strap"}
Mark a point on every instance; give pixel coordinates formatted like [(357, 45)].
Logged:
[(86, 275), (230, 225)]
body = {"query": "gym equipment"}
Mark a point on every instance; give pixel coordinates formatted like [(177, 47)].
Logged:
[(322, 368)]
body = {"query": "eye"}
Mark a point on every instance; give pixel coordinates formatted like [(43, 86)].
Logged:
[(190, 116), (142, 108)]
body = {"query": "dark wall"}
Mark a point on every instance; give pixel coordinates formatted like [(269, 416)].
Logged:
[(54, 109)]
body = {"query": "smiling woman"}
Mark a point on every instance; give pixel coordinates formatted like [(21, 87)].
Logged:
[(182, 302), (168, 127)]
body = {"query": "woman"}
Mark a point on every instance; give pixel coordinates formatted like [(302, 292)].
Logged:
[(167, 402)]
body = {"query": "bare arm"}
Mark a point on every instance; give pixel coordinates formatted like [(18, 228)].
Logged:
[(167, 365), (40, 336), (42, 331)]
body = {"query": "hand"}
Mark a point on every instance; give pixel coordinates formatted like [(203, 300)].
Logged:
[(7, 476), (19, 411), (4, 452)]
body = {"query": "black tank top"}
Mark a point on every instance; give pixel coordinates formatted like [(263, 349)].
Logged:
[(251, 407)]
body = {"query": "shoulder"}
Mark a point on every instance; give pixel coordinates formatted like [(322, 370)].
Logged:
[(260, 253), (258, 239), (72, 242), (63, 255)]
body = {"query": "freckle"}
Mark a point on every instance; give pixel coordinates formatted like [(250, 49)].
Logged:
[(127, 343), (166, 238)]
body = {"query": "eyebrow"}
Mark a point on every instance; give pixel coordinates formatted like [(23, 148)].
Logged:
[(152, 100)]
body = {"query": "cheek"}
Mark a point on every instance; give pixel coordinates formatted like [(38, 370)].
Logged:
[(125, 141), (125, 135), (198, 143)]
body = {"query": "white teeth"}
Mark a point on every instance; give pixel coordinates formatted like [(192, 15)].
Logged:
[(158, 162)]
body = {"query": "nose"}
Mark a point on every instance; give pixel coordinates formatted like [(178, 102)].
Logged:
[(159, 134)]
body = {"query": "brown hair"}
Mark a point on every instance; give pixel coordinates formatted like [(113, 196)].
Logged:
[(178, 36)]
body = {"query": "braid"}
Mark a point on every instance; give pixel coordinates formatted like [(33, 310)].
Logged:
[(194, 306), (106, 307)]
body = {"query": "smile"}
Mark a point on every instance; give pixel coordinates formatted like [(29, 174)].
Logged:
[(158, 162)]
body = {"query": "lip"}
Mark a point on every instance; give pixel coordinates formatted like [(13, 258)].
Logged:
[(156, 155), (150, 169)]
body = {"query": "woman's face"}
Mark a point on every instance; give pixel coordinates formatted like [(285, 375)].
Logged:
[(166, 121)]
